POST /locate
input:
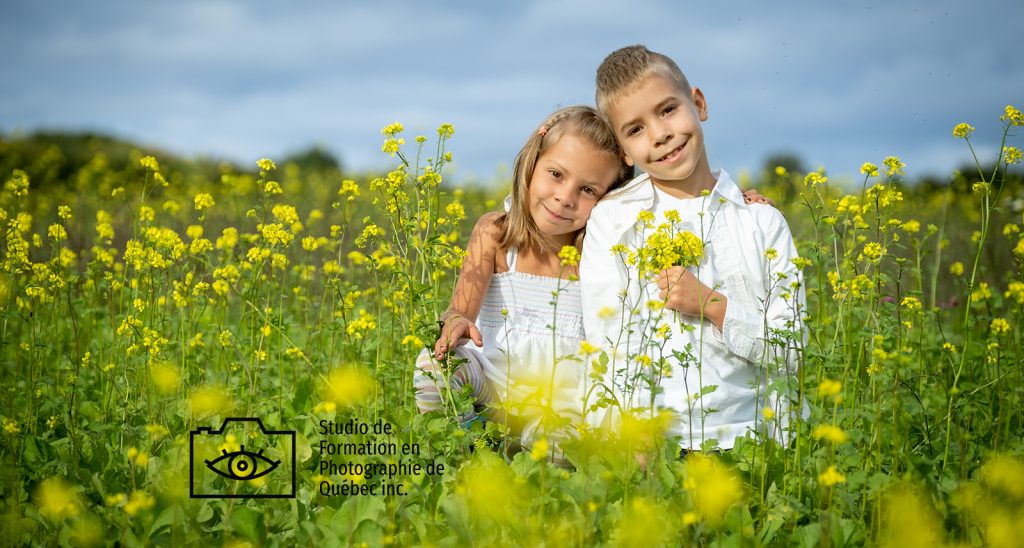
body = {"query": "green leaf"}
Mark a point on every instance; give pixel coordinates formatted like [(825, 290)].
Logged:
[(248, 523)]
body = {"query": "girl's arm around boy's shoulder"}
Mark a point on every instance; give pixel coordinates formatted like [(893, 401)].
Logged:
[(477, 270)]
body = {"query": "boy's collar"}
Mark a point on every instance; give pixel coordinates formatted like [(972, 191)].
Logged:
[(641, 189)]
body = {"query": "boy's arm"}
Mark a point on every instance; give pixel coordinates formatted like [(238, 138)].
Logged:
[(468, 296), (747, 328), (603, 280)]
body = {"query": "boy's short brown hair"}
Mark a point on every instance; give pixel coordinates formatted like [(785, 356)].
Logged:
[(628, 67)]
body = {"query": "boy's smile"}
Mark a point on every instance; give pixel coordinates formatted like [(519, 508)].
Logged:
[(658, 126)]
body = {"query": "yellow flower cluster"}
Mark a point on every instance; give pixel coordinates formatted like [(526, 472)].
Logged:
[(569, 255), (666, 247), (1012, 116), (963, 130), (831, 477), (831, 433)]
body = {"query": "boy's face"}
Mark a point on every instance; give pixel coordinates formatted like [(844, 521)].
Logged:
[(658, 126)]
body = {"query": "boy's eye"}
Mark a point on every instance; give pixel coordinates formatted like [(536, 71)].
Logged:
[(632, 131), (589, 190), (669, 109)]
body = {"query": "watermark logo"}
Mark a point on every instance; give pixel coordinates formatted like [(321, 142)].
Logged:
[(241, 460)]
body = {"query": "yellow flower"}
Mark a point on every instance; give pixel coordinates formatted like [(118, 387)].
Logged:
[(829, 432), (948, 347), (587, 348), (11, 426), (874, 250), (569, 255), (1013, 116), (963, 130), (203, 201), (768, 413), (150, 163), (606, 313), (893, 166), (207, 401), (956, 269), (445, 130), (781, 171), (771, 254), (646, 217), (540, 450), (829, 388), (831, 477), (266, 164), (1015, 291), (815, 178), (348, 386), (56, 499), (165, 377), (999, 326), (712, 485), (1011, 155), (869, 169), (138, 501), (911, 226), (911, 303)]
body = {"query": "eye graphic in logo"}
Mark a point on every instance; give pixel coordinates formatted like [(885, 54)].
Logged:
[(213, 449), (242, 464)]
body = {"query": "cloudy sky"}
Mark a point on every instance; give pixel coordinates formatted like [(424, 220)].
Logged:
[(838, 83)]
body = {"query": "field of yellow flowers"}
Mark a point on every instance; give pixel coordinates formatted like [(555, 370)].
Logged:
[(141, 301)]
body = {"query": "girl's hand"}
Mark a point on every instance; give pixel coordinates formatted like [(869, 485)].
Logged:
[(752, 196), (456, 329)]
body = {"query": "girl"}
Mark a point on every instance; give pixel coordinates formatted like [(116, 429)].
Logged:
[(503, 299)]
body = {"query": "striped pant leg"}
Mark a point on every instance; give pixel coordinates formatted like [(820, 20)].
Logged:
[(430, 382)]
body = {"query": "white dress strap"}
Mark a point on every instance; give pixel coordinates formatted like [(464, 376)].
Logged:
[(510, 258)]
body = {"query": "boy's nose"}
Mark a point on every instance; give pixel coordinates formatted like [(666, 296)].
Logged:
[(662, 133)]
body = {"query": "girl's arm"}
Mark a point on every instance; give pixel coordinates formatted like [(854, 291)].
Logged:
[(477, 269)]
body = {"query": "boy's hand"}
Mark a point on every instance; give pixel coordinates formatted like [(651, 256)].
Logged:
[(752, 196), (683, 292), (455, 330)]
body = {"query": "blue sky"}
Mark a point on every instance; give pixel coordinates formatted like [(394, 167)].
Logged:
[(838, 83)]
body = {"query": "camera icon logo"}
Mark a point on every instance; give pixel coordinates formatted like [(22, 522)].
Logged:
[(220, 465)]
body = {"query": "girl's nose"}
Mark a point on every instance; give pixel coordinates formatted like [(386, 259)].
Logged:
[(564, 197)]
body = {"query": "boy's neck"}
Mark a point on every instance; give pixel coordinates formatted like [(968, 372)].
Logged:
[(692, 187)]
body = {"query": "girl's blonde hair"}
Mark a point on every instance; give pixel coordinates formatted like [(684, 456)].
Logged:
[(519, 228)]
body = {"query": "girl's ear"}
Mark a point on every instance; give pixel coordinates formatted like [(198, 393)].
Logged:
[(627, 159)]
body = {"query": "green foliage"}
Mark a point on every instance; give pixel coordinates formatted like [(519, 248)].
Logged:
[(172, 294)]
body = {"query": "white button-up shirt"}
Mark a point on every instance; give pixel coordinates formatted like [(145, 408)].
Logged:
[(756, 349)]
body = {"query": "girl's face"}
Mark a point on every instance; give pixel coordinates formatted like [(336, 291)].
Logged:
[(569, 178)]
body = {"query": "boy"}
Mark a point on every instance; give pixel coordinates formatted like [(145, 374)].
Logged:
[(729, 332)]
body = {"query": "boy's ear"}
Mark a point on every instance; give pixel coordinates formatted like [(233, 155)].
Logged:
[(627, 159), (700, 102)]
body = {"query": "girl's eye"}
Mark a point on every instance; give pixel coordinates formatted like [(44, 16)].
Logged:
[(555, 174), (589, 190), (632, 131)]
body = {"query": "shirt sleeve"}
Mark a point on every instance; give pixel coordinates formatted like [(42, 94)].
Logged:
[(604, 280), (769, 331)]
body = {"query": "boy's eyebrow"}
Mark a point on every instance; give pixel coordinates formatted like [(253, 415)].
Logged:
[(661, 104)]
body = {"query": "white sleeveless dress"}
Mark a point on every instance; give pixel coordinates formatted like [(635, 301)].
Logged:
[(531, 346)]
